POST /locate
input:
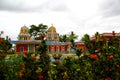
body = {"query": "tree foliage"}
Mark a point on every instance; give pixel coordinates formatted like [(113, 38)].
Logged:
[(86, 39), (63, 38), (68, 37), (35, 31), (5, 45)]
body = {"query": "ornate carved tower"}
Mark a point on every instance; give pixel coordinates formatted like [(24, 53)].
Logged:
[(52, 35), (24, 33)]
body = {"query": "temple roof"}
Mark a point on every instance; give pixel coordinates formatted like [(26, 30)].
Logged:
[(24, 27), (110, 34), (106, 35), (26, 42), (47, 42), (52, 28)]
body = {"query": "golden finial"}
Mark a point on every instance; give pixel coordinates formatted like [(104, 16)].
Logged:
[(25, 25), (51, 24)]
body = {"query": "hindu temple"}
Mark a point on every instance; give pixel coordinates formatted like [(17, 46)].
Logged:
[(26, 43)]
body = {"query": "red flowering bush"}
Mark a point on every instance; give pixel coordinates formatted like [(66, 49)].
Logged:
[(0, 40), (25, 52), (93, 56), (110, 57), (103, 64), (107, 78)]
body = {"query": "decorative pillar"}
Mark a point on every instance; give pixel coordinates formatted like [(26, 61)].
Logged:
[(63, 48)]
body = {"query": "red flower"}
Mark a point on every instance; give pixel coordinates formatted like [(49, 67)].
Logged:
[(33, 56), (110, 57), (107, 78), (0, 40), (59, 62), (23, 64), (110, 70), (21, 75), (41, 77), (93, 56), (21, 71), (25, 52), (118, 65), (67, 78)]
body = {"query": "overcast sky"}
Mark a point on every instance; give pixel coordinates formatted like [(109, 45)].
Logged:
[(80, 16)]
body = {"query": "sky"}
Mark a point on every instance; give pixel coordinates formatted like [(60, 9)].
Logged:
[(80, 16)]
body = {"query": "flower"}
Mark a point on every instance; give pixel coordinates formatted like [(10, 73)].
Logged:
[(110, 70), (59, 62), (25, 52), (64, 74), (39, 70), (21, 71), (110, 57), (21, 75), (107, 78), (23, 64), (93, 56), (67, 78), (33, 56), (57, 56), (0, 40), (41, 77), (118, 65)]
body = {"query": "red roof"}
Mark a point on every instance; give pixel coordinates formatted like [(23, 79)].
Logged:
[(106, 35), (110, 34)]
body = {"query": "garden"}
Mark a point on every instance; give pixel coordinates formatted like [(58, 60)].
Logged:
[(101, 63)]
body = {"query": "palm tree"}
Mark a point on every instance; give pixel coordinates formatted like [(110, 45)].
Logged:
[(86, 39), (63, 38), (72, 36), (35, 31), (96, 35)]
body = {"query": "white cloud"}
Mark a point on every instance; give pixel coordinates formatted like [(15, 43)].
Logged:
[(80, 16)]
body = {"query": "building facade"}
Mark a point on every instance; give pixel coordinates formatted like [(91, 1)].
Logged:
[(25, 43)]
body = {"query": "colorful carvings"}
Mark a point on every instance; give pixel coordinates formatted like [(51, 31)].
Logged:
[(52, 35), (24, 33)]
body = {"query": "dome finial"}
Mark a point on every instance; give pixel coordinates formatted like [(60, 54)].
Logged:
[(51, 24)]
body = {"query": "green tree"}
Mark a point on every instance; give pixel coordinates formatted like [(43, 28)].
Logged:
[(86, 39), (72, 36), (63, 38), (5, 45), (35, 31)]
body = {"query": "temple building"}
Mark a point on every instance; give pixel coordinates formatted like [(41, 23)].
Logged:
[(52, 35), (105, 39), (26, 43), (24, 33)]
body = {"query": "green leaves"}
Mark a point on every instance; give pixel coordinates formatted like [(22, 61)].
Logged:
[(78, 52), (35, 31), (5, 45)]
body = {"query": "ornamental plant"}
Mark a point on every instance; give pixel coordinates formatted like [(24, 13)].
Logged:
[(103, 63), (57, 56)]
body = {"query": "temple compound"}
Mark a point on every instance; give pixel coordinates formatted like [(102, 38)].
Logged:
[(26, 43)]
